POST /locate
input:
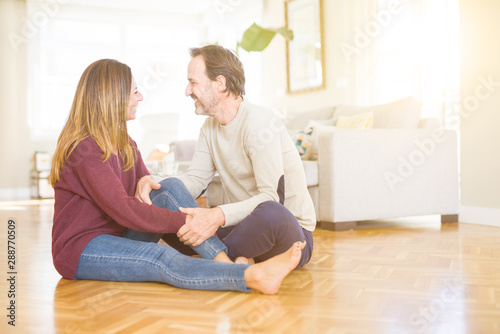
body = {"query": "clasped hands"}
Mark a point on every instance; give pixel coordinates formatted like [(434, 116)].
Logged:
[(200, 224)]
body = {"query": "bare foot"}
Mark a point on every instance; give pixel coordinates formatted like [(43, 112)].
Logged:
[(267, 276), (222, 257), (241, 259), (244, 260)]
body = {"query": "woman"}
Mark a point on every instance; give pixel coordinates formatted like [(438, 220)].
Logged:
[(101, 231)]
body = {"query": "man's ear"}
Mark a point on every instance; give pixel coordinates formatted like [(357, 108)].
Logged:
[(220, 82)]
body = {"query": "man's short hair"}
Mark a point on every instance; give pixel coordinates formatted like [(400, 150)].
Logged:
[(221, 61)]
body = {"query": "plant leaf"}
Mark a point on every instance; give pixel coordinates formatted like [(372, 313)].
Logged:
[(287, 33), (256, 38)]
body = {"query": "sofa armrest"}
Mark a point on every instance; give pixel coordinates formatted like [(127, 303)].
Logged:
[(387, 173), (429, 123)]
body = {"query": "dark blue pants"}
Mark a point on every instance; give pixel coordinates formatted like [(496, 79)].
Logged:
[(269, 230)]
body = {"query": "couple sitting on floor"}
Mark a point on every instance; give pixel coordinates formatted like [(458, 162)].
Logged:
[(109, 213)]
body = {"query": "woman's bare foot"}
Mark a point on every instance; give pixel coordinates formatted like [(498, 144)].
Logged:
[(244, 260), (267, 276), (222, 257)]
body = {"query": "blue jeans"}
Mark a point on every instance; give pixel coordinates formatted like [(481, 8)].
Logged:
[(137, 256)]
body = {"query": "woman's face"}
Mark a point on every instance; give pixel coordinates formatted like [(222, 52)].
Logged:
[(133, 102)]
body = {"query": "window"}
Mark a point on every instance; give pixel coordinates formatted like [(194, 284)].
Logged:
[(415, 52), (154, 46)]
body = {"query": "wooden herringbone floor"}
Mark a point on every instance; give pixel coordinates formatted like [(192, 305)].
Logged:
[(399, 276)]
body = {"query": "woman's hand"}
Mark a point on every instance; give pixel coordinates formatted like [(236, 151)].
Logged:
[(145, 185)]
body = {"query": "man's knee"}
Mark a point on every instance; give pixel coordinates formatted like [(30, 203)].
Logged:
[(273, 213), (272, 208)]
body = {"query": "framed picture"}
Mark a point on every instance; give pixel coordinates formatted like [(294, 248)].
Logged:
[(305, 53)]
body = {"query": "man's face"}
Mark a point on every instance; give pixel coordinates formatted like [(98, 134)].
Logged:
[(201, 88)]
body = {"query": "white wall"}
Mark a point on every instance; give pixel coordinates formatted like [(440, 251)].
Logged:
[(338, 21), (16, 147), (480, 111)]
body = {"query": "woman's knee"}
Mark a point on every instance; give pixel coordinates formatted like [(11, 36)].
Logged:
[(172, 189), (172, 182)]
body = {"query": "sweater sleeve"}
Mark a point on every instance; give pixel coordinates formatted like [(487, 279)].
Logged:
[(201, 169), (262, 144), (103, 186)]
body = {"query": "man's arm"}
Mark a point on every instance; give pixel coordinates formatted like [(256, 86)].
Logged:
[(267, 162), (201, 168), (203, 224)]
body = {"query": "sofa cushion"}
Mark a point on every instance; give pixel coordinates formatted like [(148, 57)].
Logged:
[(429, 123), (302, 140), (401, 114), (312, 174), (359, 121), (314, 129), (183, 149), (299, 122)]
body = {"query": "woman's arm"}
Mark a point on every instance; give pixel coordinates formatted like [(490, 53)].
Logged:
[(100, 184)]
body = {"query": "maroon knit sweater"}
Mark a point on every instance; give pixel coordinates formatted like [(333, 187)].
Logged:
[(94, 197)]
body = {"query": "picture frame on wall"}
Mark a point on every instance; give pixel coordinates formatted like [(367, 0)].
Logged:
[(305, 53)]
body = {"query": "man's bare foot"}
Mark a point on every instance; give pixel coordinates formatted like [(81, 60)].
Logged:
[(267, 276)]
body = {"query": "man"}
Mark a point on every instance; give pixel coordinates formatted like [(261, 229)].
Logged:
[(268, 205)]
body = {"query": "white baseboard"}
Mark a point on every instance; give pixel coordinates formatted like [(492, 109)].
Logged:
[(480, 216), (11, 194)]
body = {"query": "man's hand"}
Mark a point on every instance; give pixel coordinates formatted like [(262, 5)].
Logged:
[(145, 185), (203, 225)]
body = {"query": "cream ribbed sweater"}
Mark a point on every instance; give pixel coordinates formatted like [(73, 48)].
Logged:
[(251, 154)]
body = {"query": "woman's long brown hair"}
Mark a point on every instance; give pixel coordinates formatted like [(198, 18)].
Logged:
[(99, 110)]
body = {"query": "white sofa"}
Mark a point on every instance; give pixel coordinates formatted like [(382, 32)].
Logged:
[(402, 166)]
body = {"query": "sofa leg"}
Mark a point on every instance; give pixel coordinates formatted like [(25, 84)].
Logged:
[(449, 219), (341, 226)]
